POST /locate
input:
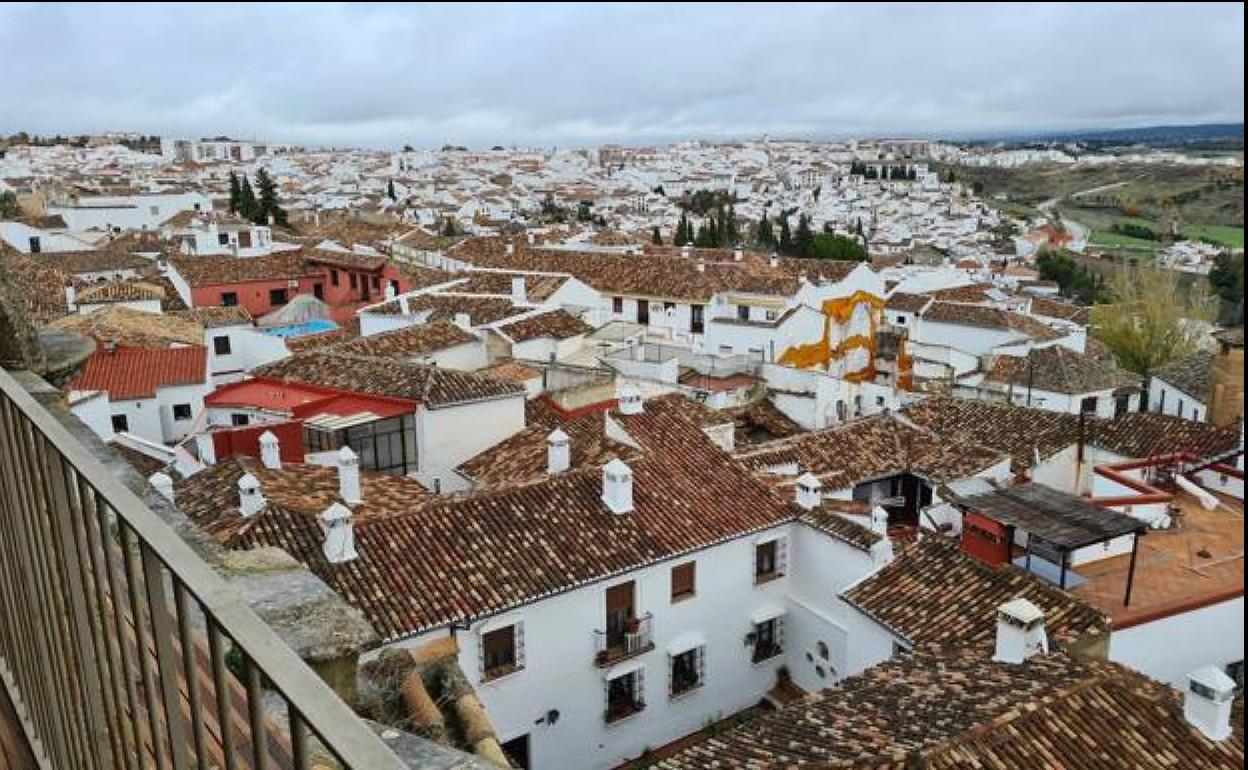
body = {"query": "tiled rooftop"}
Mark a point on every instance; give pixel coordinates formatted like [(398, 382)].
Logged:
[(1190, 374), (135, 373)]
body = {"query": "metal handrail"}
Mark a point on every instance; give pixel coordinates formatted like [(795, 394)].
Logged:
[(113, 630)]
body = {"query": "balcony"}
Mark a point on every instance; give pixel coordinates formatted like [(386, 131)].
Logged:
[(634, 638), (120, 647)]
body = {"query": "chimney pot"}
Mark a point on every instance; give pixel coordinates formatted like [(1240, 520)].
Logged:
[(511, 249), (629, 399), (270, 451), (389, 291), (71, 298), (686, 250), (250, 498), (518, 294), (558, 452), (738, 254), (1020, 631), (206, 449), (1207, 702), (463, 321), (339, 545), (809, 491), (617, 486), (163, 484), (349, 476)]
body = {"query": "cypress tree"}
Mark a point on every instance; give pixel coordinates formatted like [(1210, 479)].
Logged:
[(268, 204), (236, 192), (247, 200), (785, 245), (390, 190), (803, 238), (656, 237)]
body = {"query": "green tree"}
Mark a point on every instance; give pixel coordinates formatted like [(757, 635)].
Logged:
[(1227, 280), (390, 191), (764, 235), (656, 237), (803, 239), (1152, 320), (785, 244), (8, 205), (832, 246), (268, 205), (247, 205), (236, 193)]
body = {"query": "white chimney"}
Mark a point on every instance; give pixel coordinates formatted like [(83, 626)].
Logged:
[(206, 450), (163, 484), (629, 399), (270, 453), (617, 486), (738, 254), (389, 291), (558, 451), (1020, 631), (686, 251), (511, 249), (463, 321), (349, 476), (339, 545), (1207, 702), (879, 521), (774, 262), (250, 498), (809, 491), (518, 295), (701, 267), (71, 298)]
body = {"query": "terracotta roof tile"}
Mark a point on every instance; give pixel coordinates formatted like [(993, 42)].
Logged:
[(555, 324), (415, 340), (130, 373), (1190, 374)]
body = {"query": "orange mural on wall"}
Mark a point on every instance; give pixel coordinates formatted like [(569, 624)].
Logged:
[(823, 352)]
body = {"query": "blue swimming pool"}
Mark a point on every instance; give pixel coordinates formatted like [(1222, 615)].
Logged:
[(318, 326)]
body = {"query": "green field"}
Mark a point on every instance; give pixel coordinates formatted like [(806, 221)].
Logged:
[(1226, 236), (1116, 241)]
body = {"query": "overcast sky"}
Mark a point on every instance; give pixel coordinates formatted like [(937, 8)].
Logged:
[(385, 75)]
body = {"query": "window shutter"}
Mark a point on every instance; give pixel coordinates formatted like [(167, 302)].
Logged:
[(640, 680), (481, 655)]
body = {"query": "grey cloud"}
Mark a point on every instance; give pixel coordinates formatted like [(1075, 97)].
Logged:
[(383, 75)]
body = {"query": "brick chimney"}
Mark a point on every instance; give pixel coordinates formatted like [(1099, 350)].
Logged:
[(617, 486), (339, 545), (1207, 702), (270, 452), (558, 451), (1020, 631), (349, 476)]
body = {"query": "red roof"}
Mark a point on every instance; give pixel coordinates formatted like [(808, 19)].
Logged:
[(128, 373), (300, 400)]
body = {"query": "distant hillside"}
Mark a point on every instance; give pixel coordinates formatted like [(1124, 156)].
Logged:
[(1207, 132)]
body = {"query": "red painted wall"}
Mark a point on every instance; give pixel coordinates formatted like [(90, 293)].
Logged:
[(246, 441), (253, 295), (985, 539)]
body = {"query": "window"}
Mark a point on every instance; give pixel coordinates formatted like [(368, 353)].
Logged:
[(333, 277), (239, 420), (181, 411), (769, 560), (1178, 409), (277, 297), (879, 401), (643, 311), (318, 290), (617, 305), (625, 696), (725, 350), (743, 313), (155, 210), (355, 280), (686, 671), (501, 652), (120, 423), (376, 283), (683, 581), (768, 639), (669, 307), (822, 648), (36, 245), (771, 315), (1088, 405), (221, 345), (229, 298), (697, 323), (223, 239), (901, 320)]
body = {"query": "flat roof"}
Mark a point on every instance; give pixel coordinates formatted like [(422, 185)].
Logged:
[(1068, 521)]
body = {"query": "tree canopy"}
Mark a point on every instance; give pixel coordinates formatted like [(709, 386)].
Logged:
[(1151, 319)]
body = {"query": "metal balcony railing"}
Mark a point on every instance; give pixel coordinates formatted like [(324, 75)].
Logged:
[(634, 638), (114, 633)]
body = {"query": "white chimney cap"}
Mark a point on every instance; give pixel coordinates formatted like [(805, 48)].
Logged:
[(618, 467), (345, 455), (336, 512), (248, 481), (268, 438), (1220, 686), (809, 480), (557, 436), (1022, 611)]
